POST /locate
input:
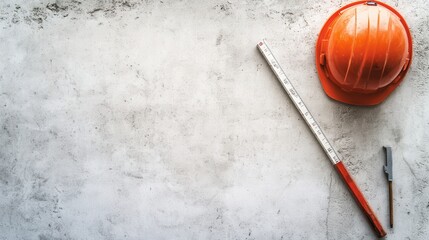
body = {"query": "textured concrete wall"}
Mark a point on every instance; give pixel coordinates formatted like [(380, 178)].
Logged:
[(126, 119)]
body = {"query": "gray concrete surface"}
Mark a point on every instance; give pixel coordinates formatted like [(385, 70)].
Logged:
[(128, 119)]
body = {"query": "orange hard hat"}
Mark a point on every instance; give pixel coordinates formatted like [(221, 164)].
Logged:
[(363, 52)]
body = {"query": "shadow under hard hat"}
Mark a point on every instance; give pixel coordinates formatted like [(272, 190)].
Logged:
[(363, 53)]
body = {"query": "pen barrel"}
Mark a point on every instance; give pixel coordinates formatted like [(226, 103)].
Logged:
[(391, 203)]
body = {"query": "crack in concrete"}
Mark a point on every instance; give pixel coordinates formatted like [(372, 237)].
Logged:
[(409, 167)]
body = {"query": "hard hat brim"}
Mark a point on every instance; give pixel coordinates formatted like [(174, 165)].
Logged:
[(363, 99)]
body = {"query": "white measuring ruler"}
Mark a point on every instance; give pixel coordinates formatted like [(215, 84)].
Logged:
[(321, 138), (299, 104)]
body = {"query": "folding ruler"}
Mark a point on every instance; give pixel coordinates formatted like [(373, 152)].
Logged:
[(321, 138)]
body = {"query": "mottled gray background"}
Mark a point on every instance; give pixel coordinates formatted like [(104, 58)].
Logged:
[(129, 119)]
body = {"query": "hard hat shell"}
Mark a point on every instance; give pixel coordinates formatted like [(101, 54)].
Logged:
[(363, 52)]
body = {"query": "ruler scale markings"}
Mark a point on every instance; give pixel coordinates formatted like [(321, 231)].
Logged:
[(321, 138), (296, 99)]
